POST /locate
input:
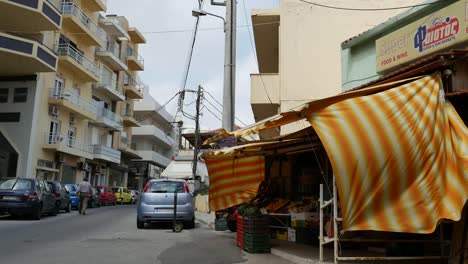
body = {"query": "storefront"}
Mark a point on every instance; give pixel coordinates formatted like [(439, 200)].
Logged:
[(374, 183)]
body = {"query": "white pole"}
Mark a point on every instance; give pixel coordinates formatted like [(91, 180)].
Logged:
[(229, 66)]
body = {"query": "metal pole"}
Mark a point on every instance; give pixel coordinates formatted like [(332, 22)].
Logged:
[(229, 65), (335, 223), (321, 224), (197, 132), (174, 220)]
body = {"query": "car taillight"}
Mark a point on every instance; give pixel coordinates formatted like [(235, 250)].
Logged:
[(32, 197), (148, 184), (187, 190)]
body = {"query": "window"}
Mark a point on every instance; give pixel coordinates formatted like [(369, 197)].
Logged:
[(20, 95), (4, 95)]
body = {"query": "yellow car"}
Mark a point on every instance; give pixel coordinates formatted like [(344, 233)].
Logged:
[(122, 195)]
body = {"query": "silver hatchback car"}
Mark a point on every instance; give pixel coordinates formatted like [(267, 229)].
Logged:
[(156, 203)]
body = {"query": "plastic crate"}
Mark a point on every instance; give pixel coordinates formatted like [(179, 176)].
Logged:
[(240, 231), (221, 225), (256, 242), (256, 225)]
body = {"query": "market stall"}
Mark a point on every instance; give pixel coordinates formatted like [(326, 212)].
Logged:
[(382, 169)]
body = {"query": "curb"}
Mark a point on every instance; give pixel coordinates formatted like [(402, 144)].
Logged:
[(295, 259)]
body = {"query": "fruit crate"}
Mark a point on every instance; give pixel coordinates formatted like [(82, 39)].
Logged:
[(256, 225), (221, 225), (240, 231), (256, 243)]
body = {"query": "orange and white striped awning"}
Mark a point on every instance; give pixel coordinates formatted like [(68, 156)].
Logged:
[(400, 157), (234, 180)]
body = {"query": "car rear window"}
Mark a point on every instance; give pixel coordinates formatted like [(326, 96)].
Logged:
[(115, 190), (166, 187), (15, 184), (70, 188)]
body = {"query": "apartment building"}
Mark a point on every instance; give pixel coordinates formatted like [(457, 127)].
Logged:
[(73, 109), (298, 52), (155, 140)]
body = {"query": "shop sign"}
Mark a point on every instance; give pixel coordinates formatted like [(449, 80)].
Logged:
[(440, 30)]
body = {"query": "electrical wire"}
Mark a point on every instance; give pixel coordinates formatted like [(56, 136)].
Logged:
[(157, 110), (222, 111), (215, 115), (368, 9), (205, 91)]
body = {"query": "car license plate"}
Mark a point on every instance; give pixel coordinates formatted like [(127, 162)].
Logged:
[(10, 198), (163, 210)]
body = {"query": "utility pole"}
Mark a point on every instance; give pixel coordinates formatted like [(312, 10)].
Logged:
[(229, 65), (197, 134)]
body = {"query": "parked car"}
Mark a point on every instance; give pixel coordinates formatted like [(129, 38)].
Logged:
[(27, 197), (94, 199), (61, 196), (106, 195), (75, 199), (122, 195), (135, 196), (156, 203)]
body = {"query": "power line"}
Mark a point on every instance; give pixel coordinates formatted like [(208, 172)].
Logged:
[(150, 32), (367, 9), (215, 115), (157, 110), (217, 109)]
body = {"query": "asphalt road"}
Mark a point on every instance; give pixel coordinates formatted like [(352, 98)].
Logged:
[(109, 235)]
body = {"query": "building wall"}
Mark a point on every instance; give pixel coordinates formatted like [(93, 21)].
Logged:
[(309, 47)]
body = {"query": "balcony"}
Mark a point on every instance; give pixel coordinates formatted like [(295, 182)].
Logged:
[(108, 119), (72, 102), (110, 87), (128, 149), (133, 88), (77, 63), (154, 157), (128, 119), (69, 145), (41, 15), (110, 55), (136, 36), (134, 61), (25, 56), (113, 26), (153, 132), (95, 5), (106, 153), (76, 21), (264, 95)]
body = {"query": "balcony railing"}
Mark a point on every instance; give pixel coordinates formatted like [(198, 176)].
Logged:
[(72, 97), (132, 52), (72, 9), (129, 81), (110, 82), (68, 142), (113, 47), (56, 3), (114, 118), (77, 56)]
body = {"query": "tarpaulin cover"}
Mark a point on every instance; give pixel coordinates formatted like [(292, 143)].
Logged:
[(234, 181), (400, 157)]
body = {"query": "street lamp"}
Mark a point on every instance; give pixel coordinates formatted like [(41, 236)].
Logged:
[(229, 59), (199, 13)]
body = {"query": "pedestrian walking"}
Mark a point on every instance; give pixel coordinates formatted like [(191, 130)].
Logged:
[(84, 190)]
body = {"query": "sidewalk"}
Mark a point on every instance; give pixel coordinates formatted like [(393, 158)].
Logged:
[(292, 252), (205, 219)]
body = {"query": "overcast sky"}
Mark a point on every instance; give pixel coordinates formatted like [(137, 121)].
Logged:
[(165, 54)]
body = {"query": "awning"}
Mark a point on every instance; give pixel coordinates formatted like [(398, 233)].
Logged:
[(234, 181)]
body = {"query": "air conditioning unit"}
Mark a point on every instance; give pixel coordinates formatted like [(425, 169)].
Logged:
[(59, 157), (54, 111), (72, 119), (85, 166)]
